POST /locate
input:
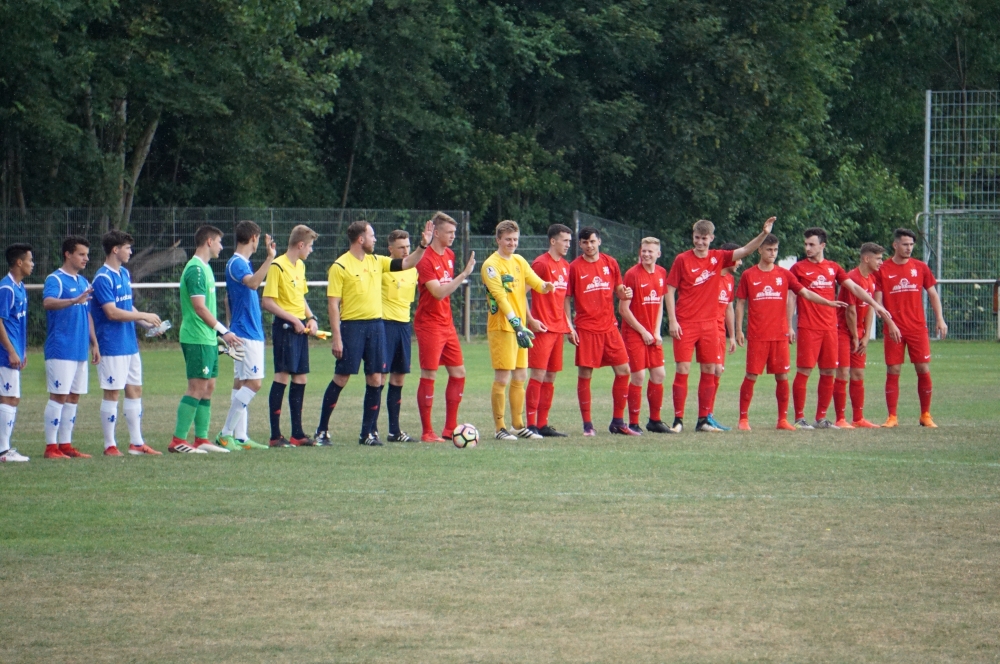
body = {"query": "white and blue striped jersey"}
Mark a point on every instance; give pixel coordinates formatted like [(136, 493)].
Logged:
[(68, 336), (113, 338), (244, 303), (14, 316)]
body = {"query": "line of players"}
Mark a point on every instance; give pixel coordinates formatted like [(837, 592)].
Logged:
[(369, 301)]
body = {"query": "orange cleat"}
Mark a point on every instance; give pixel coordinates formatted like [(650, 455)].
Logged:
[(53, 452), (891, 421), (785, 425), (926, 421), (843, 424), (864, 424), (72, 452), (139, 450), (431, 438), (744, 424), (112, 451)]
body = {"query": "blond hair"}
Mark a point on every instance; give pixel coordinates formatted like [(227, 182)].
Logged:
[(704, 227), (507, 226), (440, 218), (650, 240), (301, 233)]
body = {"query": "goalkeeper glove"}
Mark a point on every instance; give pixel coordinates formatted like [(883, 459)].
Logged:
[(523, 334), (235, 352)]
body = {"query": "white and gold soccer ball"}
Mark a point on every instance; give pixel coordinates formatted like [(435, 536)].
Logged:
[(465, 435)]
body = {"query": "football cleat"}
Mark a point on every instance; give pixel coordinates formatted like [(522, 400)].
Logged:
[(181, 447), (305, 441), (13, 456), (52, 452), (431, 438), (401, 437), (140, 450), (503, 434), (703, 425), (280, 441), (678, 425), (744, 424), (588, 429), (619, 427), (371, 440), (112, 451), (825, 424), (864, 424), (926, 421), (204, 444), (658, 426), (802, 424), (250, 444), (785, 425), (526, 432), (545, 431), (636, 428), (843, 424), (228, 442), (72, 452), (711, 420), (891, 421), (322, 439)]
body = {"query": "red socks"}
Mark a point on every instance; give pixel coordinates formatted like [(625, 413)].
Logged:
[(619, 396), (715, 392), (799, 394), (583, 396), (746, 396), (892, 392), (545, 403), (654, 395), (781, 393), (858, 399), (680, 393), (425, 402), (824, 396), (924, 391), (452, 397), (840, 398), (706, 393), (634, 403), (531, 397)]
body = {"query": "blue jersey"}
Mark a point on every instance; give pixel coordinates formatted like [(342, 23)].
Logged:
[(14, 316), (68, 335), (244, 303), (113, 338)]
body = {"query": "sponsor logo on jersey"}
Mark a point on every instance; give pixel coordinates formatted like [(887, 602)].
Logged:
[(704, 276), (904, 286), (768, 293), (652, 298), (821, 283), (491, 272), (597, 284)]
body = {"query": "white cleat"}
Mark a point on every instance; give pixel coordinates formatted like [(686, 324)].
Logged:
[(13, 456), (527, 433), (212, 447), (503, 434), (802, 424)]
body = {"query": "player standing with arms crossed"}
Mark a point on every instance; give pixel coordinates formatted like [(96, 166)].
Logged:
[(246, 322), (727, 327), (545, 357), (198, 343), (764, 288), (899, 283), (594, 281), (510, 329), (120, 366), (399, 289), (817, 327), (285, 297), (14, 339), (693, 316), (642, 320), (437, 339), (854, 327), (65, 298)]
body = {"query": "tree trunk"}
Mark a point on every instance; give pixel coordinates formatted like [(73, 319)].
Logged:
[(118, 149), (350, 164), (131, 177)]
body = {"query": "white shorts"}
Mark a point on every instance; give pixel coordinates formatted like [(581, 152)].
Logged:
[(10, 383), (66, 376), (117, 371), (252, 366)]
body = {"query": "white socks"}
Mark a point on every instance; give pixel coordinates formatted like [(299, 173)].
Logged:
[(133, 417), (66, 422), (8, 415), (238, 411), (53, 414), (109, 416)]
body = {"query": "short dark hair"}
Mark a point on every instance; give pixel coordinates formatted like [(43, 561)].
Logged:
[(16, 252), (871, 248), (588, 232), (245, 231), (71, 242), (903, 232), (206, 233), (397, 234), (815, 231), (770, 240), (115, 238), (356, 230), (730, 246), (555, 230)]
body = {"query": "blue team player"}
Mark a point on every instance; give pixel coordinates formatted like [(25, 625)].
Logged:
[(14, 339), (114, 322), (65, 298), (243, 304)]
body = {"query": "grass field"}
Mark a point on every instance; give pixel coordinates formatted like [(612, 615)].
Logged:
[(802, 546)]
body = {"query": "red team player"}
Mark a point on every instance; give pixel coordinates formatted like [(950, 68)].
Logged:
[(854, 327), (437, 339), (694, 317), (817, 327), (764, 288), (545, 357), (594, 281), (642, 319), (727, 327), (900, 281)]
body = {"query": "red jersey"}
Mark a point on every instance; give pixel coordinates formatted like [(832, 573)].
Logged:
[(697, 282), (901, 286), (766, 294), (821, 278), (845, 295), (647, 296), (548, 308), (592, 287), (431, 312), (725, 297)]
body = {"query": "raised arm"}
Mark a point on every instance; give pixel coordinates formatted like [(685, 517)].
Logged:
[(253, 281), (755, 243), (440, 291)]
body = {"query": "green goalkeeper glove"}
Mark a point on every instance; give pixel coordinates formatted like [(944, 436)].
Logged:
[(523, 334)]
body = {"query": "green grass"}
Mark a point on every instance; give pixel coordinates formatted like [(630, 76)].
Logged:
[(822, 546)]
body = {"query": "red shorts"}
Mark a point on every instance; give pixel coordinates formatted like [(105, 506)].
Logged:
[(844, 351), (601, 350), (916, 341), (547, 352), (704, 336), (773, 355), (641, 356), (437, 347), (817, 346), (723, 345)]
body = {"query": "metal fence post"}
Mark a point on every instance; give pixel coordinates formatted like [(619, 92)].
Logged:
[(576, 231), (466, 287)]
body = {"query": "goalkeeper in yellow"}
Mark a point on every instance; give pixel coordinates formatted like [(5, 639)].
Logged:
[(510, 328)]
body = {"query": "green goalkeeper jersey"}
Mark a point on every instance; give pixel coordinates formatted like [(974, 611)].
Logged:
[(197, 279)]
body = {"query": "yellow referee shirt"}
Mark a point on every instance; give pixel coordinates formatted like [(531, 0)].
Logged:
[(358, 284), (398, 291), (286, 285), (506, 279)]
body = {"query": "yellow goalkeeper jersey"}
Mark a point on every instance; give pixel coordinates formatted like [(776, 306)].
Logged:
[(507, 281)]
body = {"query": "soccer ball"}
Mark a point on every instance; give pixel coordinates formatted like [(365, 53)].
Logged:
[(465, 435)]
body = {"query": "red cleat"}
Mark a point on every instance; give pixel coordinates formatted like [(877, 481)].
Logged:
[(112, 451), (926, 421), (139, 450), (785, 425), (431, 438), (843, 424), (865, 424), (72, 452), (53, 452), (744, 424), (890, 422)]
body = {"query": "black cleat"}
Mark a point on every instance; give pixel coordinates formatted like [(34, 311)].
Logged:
[(401, 437), (703, 425), (371, 440), (658, 426), (636, 428), (322, 439), (280, 441), (305, 441), (678, 425), (548, 432)]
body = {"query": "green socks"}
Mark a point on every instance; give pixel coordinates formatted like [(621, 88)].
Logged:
[(203, 418), (186, 412)]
